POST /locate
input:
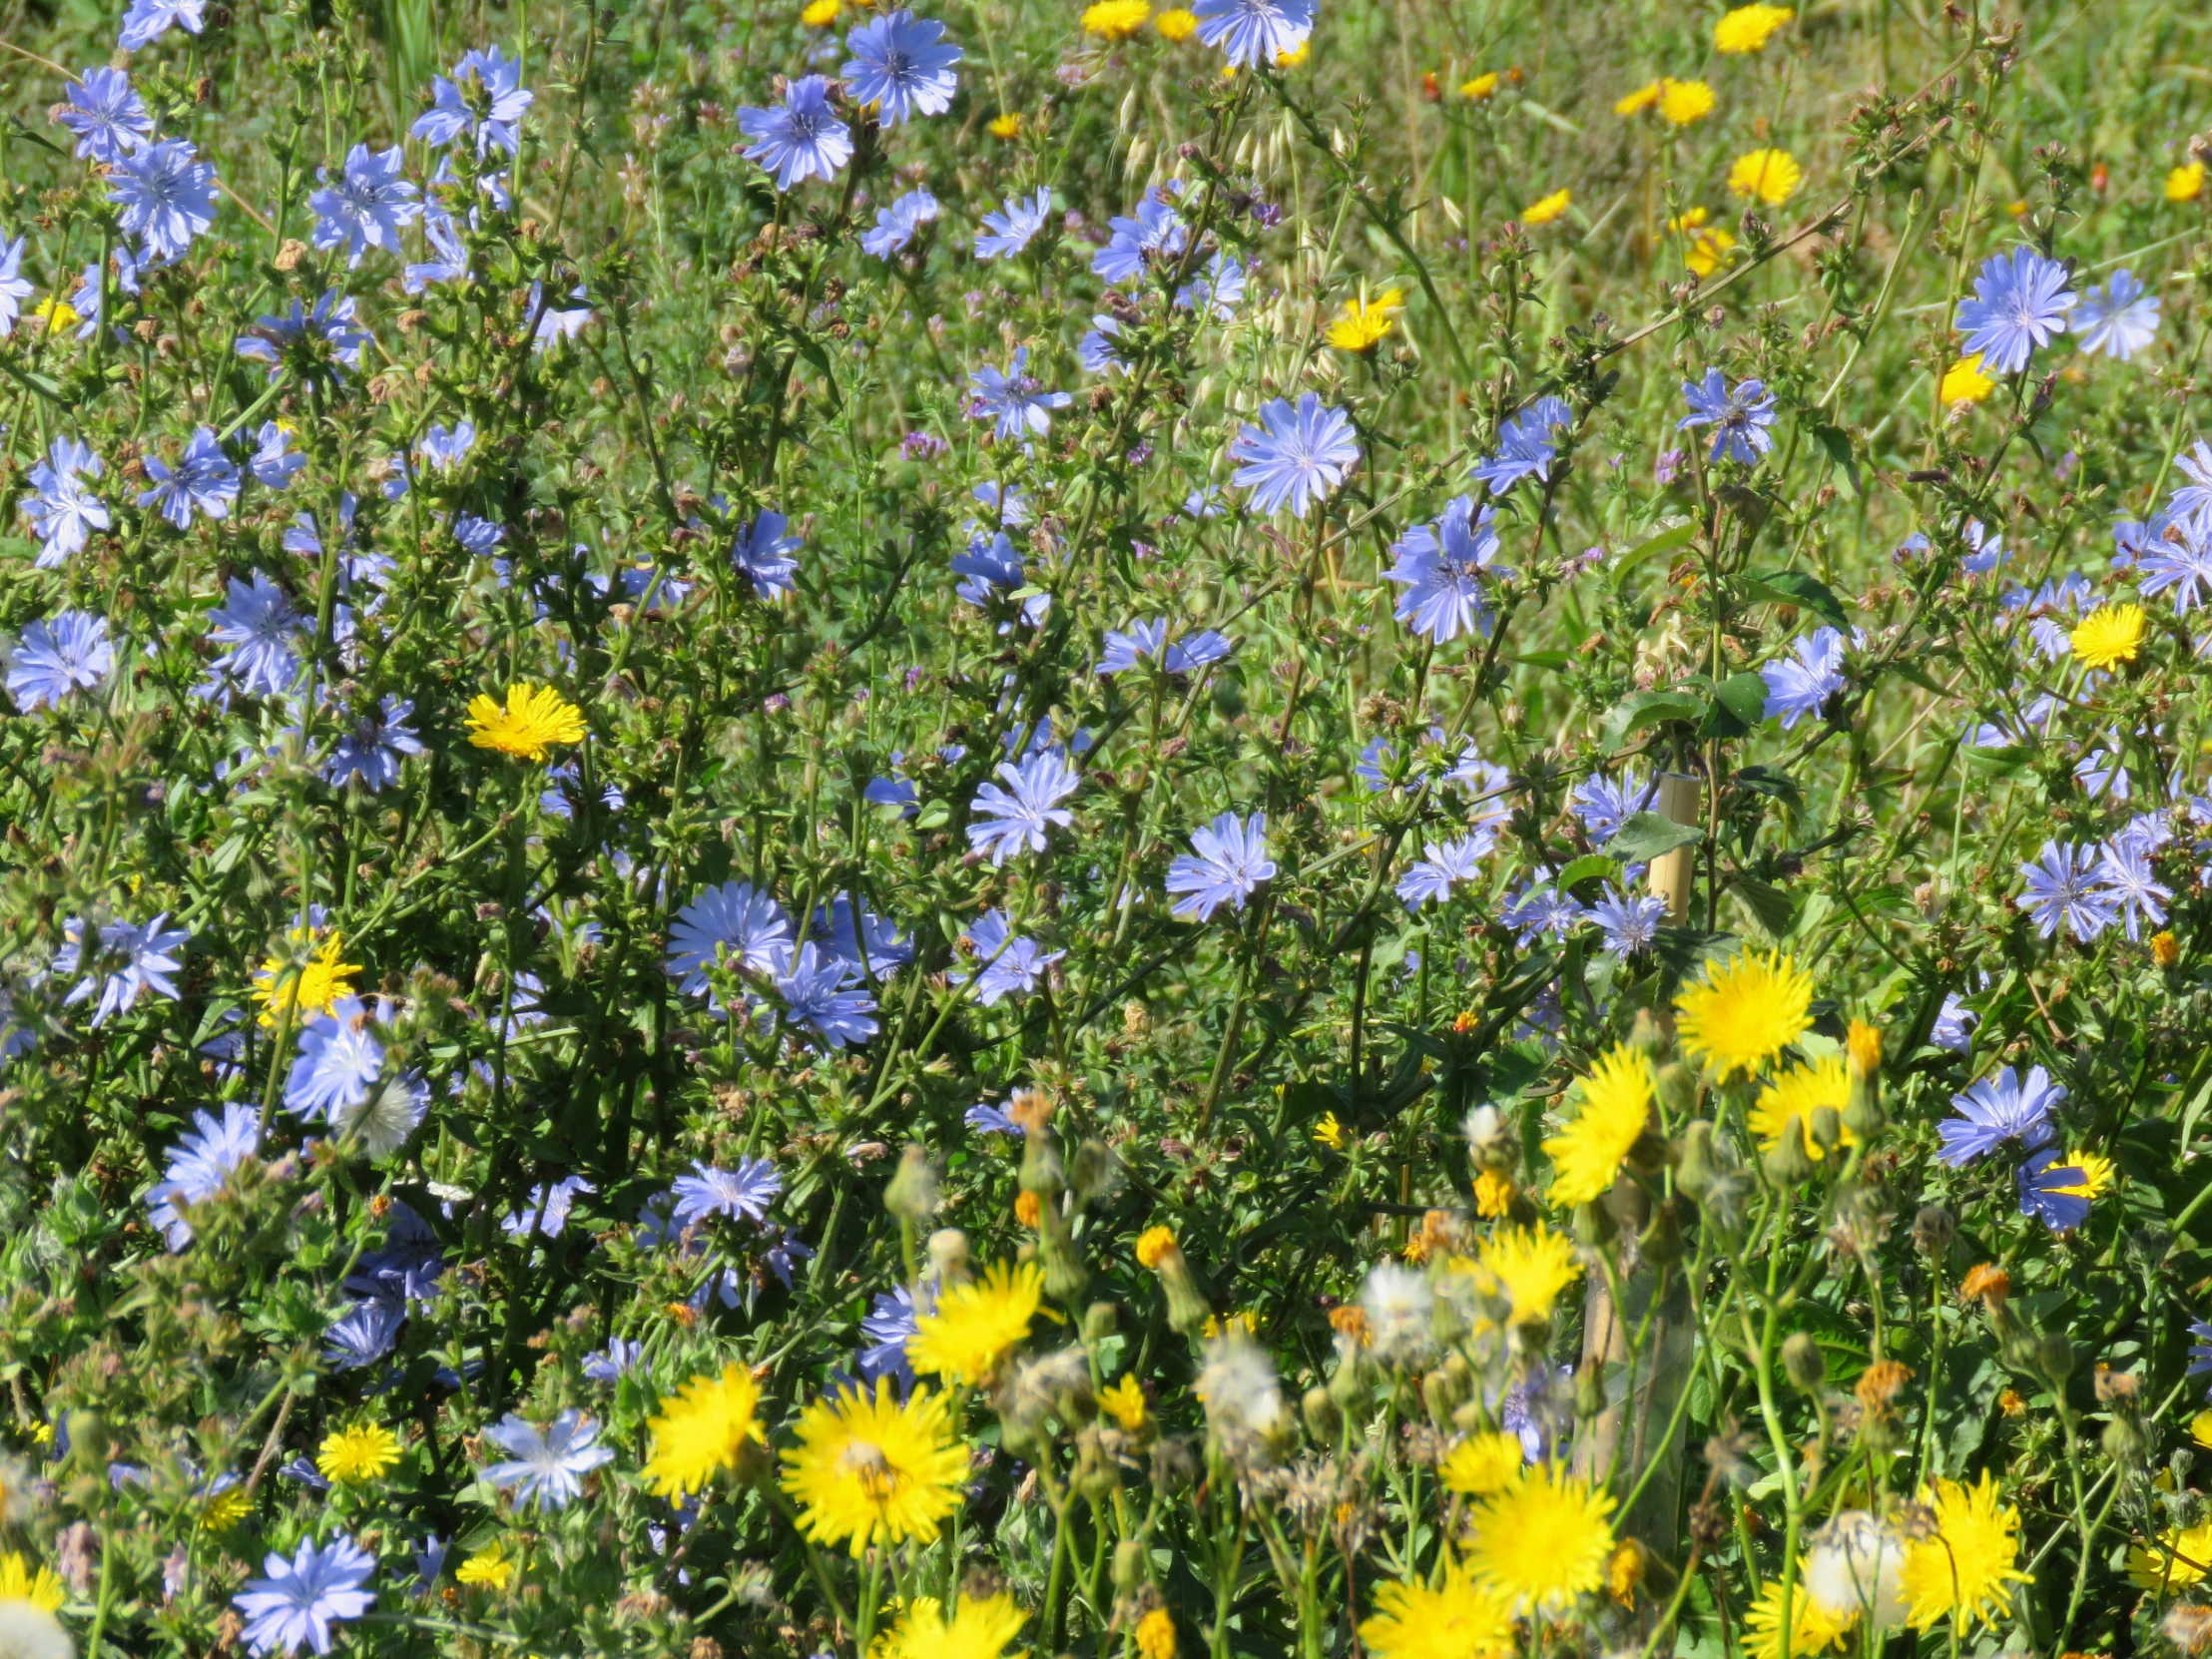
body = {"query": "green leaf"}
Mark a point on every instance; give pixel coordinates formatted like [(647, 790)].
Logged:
[(1837, 443), (1591, 867), (1740, 705), (1808, 593), (1770, 783), (934, 814), (1544, 659), (1633, 713), (1666, 541), (1647, 835), (1769, 905)]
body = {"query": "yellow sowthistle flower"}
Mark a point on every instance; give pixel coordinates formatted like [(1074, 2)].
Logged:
[(1116, 19), (820, 14), (534, 719), (2097, 1176), (56, 314), (1799, 1093), (975, 1628), (1546, 209), (1747, 29), (1493, 1194), (1153, 1246), (490, 1566), (703, 1430), (976, 1324), (1813, 1629), (362, 1453), (1155, 1635), (20, 1581), (1684, 102), (1967, 1570), (1006, 125), (1295, 56), (1360, 326), (1177, 24), (1635, 103), (2185, 182), (1481, 1464), (309, 985), (226, 1510), (1542, 1541), (1482, 86), (2109, 636), (1330, 1133), (2176, 1561), (1709, 247), (1771, 175), (1741, 1013), (1124, 1403), (869, 1469), (1457, 1619), (1615, 1106), (1531, 1266), (1964, 382)]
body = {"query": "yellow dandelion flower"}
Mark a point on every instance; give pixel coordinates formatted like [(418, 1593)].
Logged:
[(2200, 1430), (56, 314), (1360, 326), (490, 1566), (820, 14), (1481, 1464), (2097, 1176), (1747, 29), (976, 1324), (1683, 101), (1813, 1630), (1642, 99), (2186, 182), (1544, 1540), (703, 1430), (1546, 209), (1708, 251), (1006, 125), (2109, 636), (315, 982), (534, 719), (1967, 1570), (1330, 1133), (1772, 176), (1531, 1266), (20, 1581), (1614, 1109), (1964, 382), (1116, 19), (1154, 1244), (1457, 1619), (1690, 220), (869, 1469), (975, 1628), (1799, 1093), (1482, 86), (226, 1510), (1741, 1013), (2166, 949), (1156, 1635), (363, 1452), (2176, 1561), (1124, 1403), (1177, 24), (1295, 56), (1493, 1194)]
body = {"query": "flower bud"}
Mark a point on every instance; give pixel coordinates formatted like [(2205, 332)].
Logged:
[(948, 1255), (1101, 1320), (1661, 1242), (1129, 1565), (1589, 1389), (1676, 1085), (1932, 1229), (1788, 1164), (1091, 1174), (1802, 1358), (2054, 1356), (1593, 1226), (2124, 1442), (1694, 1170), (914, 1193), (1325, 1420), (1827, 1128), (1650, 1034)]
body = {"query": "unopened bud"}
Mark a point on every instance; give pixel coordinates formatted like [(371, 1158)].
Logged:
[(1932, 1229), (1677, 1089), (1129, 1565), (1650, 1034), (2054, 1356), (1694, 1172), (1324, 1419), (912, 1194), (1589, 1389), (2123, 1440), (1827, 1128), (948, 1255), (1788, 1164), (1661, 1243), (1802, 1358), (1593, 1226), (1101, 1320), (1091, 1172)]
